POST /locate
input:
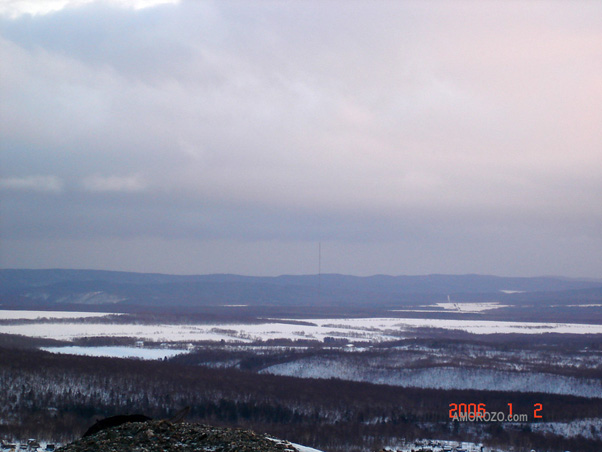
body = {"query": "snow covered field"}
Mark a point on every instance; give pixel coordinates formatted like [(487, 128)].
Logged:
[(117, 352), (438, 377), (385, 325), (33, 315), (468, 308), (360, 329)]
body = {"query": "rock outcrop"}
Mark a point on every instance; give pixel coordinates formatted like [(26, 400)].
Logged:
[(164, 436)]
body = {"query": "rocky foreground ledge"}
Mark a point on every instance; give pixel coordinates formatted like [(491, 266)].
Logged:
[(163, 436)]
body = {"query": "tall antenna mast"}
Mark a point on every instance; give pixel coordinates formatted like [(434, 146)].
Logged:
[(319, 268)]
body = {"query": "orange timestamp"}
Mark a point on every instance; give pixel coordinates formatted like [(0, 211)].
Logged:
[(477, 412)]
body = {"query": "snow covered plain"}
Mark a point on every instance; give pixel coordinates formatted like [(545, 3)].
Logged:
[(117, 351), (386, 325), (438, 377), (33, 315), (468, 308), (360, 329)]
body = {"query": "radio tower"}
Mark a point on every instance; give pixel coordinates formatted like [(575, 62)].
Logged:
[(319, 269)]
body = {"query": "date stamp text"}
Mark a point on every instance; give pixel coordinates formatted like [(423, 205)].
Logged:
[(477, 412)]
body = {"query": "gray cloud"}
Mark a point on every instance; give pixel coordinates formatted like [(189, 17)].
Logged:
[(130, 183), (32, 183), (437, 130)]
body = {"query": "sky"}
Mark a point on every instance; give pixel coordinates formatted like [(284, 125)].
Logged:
[(292, 137)]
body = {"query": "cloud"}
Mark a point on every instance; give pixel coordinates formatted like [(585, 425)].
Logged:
[(16, 8), (123, 184), (48, 184), (386, 122)]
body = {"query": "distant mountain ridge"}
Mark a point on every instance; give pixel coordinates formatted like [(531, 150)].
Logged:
[(100, 287)]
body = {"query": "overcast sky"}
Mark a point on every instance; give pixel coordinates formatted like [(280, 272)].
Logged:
[(234, 137)]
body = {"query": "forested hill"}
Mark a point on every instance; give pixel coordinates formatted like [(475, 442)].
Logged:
[(94, 288)]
